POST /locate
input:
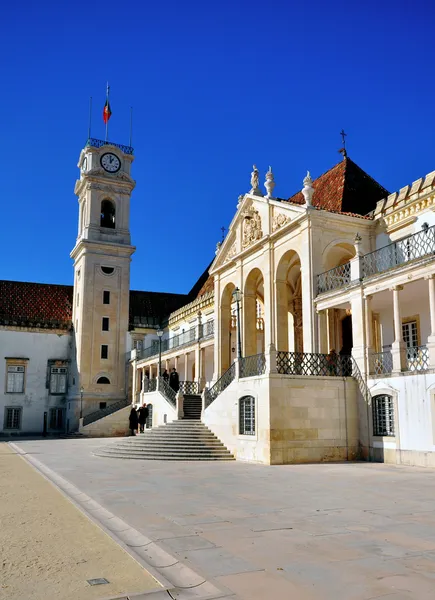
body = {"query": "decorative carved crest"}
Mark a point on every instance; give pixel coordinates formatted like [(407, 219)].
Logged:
[(231, 252), (251, 227), (280, 220)]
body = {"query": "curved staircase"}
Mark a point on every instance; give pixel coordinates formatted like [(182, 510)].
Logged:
[(188, 439)]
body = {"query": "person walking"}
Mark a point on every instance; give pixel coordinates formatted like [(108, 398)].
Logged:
[(133, 420), (174, 380), (142, 417)]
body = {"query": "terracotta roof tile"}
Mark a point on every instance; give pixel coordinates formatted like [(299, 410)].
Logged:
[(42, 305), (345, 189)]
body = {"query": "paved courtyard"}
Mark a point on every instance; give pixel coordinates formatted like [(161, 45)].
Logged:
[(303, 532)]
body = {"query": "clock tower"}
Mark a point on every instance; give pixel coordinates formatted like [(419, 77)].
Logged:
[(102, 256)]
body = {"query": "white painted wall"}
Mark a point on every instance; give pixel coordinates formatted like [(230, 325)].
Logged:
[(38, 348)]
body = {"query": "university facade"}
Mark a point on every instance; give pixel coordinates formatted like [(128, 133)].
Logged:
[(310, 337)]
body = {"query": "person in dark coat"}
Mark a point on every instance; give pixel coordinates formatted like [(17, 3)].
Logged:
[(174, 380), (142, 417), (165, 376), (133, 420)]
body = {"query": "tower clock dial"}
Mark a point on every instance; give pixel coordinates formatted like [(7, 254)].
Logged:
[(110, 162)]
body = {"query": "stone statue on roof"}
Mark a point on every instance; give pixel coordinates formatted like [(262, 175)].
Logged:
[(255, 181)]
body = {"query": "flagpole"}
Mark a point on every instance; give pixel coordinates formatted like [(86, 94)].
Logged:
[(131, 126), (107, 122), (90, 117)]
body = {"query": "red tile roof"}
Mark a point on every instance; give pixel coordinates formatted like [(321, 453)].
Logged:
[(345, 189), (38, 305)]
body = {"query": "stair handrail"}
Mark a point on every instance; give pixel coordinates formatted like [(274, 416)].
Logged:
[(104, 412), (167, 392), (221, 384)]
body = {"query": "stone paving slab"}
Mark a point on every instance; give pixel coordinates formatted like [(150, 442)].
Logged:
[(301, 532), (49, 549)]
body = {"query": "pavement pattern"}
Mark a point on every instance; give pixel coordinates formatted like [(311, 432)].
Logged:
[(349, 531), (49, 549)]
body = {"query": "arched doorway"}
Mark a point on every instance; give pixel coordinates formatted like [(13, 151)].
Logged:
[(253, 311), (225, 322), (288, 281)]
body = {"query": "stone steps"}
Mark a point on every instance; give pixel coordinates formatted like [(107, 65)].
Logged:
[(179, 440), (192, 407)]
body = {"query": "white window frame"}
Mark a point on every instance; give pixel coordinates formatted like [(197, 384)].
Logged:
[(19, 410), (15, 378), (58, 380)]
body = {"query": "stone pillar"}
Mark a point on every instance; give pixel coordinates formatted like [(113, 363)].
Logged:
[(431, 338), (186, 365), (398, 349), (197, 364), (358, 329), (167, 364), (249, 328), (151, 372), (202, 369), (176, 363), (323, 332), (217, 330), (270, 356), (135, 380), (330, 324), (369, 336)]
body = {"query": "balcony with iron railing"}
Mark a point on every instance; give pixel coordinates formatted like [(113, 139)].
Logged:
[(100, 143), (416, 359), (194, 335), (411, 248)]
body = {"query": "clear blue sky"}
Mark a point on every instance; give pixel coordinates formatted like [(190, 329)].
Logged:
[(215, 87)]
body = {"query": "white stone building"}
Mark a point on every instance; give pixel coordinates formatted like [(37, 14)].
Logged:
[(311, 336)]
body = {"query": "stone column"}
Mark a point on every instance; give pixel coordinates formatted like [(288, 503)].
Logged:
[(398, 349), (330, 324), (197, 364), (135, 380), (176, 363), (186, 365), (151, 372), (202, 369), (431, 338), (358, 329), (323, 332), (369, 336)]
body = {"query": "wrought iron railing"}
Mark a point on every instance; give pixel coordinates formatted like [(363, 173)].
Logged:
[(189, 387), (177, 341), (100, 143), (334, 278), (417, 358), (208, 329), (166, 391), (150, 385), (311, 364), (221, 384), (381, 363), (250, 366), (103, 412), (415, 246)]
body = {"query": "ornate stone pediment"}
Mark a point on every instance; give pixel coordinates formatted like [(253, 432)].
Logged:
[(251, 228), (279, 220), (231, 252)]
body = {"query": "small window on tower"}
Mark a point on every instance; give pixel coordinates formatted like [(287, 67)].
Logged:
[(105, 326), (106, 297), (107, 214), (104, 351), (107, 270)]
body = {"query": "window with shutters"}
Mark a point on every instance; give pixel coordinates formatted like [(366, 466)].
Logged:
[(13, 417), (58, 380), (15, 379), (247, 415), (56, 418)]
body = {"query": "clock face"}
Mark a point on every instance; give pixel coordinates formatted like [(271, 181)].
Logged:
[(110, 162)]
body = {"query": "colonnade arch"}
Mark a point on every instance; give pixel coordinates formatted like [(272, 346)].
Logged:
[(288, 282), (253, 309), (338, 253), (225, 322)]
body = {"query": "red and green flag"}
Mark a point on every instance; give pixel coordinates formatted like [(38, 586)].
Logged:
[(107, 112)]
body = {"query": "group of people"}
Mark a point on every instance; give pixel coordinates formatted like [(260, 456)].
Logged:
[(172, 378), (138, 419)]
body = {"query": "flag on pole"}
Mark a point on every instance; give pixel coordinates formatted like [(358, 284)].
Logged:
[(107, 112)]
